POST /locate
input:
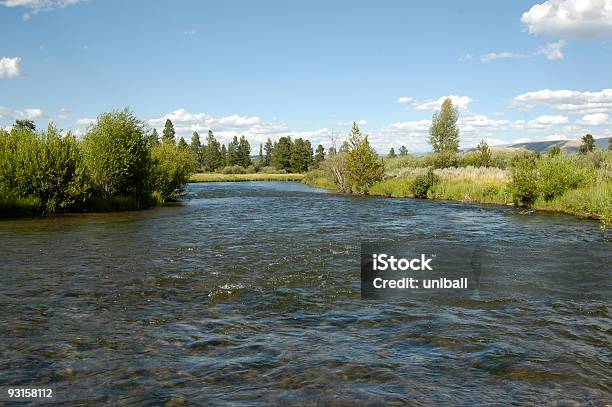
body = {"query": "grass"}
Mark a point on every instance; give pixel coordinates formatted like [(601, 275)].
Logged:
[(215, 177)]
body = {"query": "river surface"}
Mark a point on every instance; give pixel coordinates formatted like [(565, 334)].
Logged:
[(248, 293)]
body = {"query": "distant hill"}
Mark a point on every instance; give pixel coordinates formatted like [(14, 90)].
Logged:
[(568, 146)]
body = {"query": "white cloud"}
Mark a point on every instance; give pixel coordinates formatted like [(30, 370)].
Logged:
[(570, 18), (552, 50), (359, 123), (36, 6), (86, 122), (10, 67), (547, 120), (63, 113), (29, 114), (571, 101), (491, 56), (461, 102), (595, 119)]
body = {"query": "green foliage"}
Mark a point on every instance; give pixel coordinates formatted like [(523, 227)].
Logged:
[(183, 144), (403, 151), (391, 153), (444, 133), (423, 183), (281, 153), (25, 124), (301, 155), (362, 162), (610, 144), (244, 152), (234, 169), (268, 148), (443, 159), (484, 154), (168, 133), (172, 166), (524, 184), (588, 144), (196, 149), (117, 157), (560, 173), (153, 138), (554, 151), (319, 154), (214, 155)]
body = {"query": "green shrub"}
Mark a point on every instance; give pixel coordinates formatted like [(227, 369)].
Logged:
[(524, 185), (117, 157), (423, 183), (233, 169), (172, 167), (559, 173)]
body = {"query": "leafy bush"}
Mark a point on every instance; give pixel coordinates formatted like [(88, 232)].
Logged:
[(233, 169), (172, 166), (423, 183), (559, 173), (116, 152), (524, 184)]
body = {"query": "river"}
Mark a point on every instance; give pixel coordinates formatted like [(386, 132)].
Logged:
[(248, 293)]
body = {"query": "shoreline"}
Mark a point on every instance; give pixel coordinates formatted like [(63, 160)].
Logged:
[(215, 177)]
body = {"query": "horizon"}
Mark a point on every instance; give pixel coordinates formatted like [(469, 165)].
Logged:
[(260, 70)]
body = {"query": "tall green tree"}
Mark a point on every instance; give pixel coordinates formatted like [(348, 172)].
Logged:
[(25, 124), (403, 151), (260, 157), (223, 155), (196, 148), (444, 133), (301, 155), (391, 153), (214, 158), (153, 138), (320, 154), (233, 155), (168, 133), (244, 152), (183, 144), (362, 161), (484, 154), (268, 149), (588, 144), (281, 153)]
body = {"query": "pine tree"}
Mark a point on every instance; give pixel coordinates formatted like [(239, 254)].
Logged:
[(244, 152), (444, 133), (168, 133), (588, 144), (362, 161), (153, 138), (25, 124), (403, 151), (320, 154), (233, 156), (213, 158), (281, 153), (196, 147), (301, 155), (260, 156), (269, 147), (484, 154), (391, 153), (182, 144), (223, 155)]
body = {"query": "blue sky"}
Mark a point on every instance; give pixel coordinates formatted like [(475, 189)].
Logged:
[(519, 70)]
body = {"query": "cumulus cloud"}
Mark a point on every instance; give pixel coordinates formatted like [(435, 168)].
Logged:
[(547, 120), (552, 50), (86, 121), (570, 18), (461, 102), (571, 101), (36, 6), (10, 67), (595, 119), (27, 114)]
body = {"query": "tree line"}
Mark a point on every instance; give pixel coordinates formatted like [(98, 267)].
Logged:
[(290, 155)]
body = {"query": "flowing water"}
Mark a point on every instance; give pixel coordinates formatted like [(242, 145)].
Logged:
[(248, 293)]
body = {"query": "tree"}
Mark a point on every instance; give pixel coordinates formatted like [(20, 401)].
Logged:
[(444, 133), (196, 148), (610, 144), (117, 156), (223, 155), (213, 157), (260, 156), (25, 124), (281, 153), (244, 152), (233, 155), (362, 161), (319, 154), (484, 154), (403, 151), (331, 151), (168, 133), (269, 147), (183, 144), (301, 155), (391, 153), (554, 151), (588, 144), (172, 167), (153, 138)]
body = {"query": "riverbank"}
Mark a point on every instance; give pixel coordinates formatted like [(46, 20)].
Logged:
[(487, 186), (215, 177)]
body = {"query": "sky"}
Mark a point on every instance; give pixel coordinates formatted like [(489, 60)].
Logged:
[(517, 70)]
